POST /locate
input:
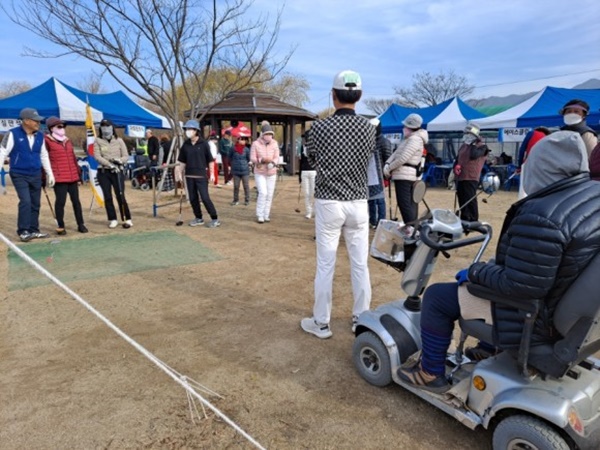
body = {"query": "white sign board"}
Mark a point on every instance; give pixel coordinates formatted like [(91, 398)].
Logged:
[(8, 124), (512, 134), (135, 131)]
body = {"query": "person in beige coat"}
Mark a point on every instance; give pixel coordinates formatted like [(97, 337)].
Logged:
[(403, 165), (111, 153)]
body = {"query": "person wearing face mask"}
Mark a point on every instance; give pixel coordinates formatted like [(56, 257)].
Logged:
[(547, 239), (403, 165), (111, 153), (196, 164), (28, 155), (264, 154), (471, 157), (66, 172), (574, 113)]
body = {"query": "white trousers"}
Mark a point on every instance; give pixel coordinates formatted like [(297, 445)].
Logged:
[(308, 189), (266, 187), (333, 218)]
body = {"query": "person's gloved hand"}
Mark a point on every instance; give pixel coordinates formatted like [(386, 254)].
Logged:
[(50, 179), (462, 276), (116, 162), (386, 171)]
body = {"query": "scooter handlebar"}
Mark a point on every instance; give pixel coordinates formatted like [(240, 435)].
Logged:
[(485, 231)]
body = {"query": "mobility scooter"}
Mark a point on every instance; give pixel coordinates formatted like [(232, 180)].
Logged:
[(539, 397)]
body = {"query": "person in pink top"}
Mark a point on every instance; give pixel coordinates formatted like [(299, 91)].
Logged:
[(264, 154)]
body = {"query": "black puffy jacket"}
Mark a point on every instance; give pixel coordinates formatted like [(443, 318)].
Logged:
[(547, 239)]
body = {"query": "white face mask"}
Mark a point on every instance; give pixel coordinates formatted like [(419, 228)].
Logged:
[(107, 132), (468, 138), (267, 138), (572, 119), (190, 133)]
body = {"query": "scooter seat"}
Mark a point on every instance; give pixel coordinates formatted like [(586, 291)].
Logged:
[(478, 329)]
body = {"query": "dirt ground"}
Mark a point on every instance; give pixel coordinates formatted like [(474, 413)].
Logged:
[(68, 381)]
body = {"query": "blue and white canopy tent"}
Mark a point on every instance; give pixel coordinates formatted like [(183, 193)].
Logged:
[(451, 115), (54, 98), (121, 110), (50, 98), (543, 110)]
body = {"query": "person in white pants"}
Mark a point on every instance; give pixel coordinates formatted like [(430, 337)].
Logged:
[(350, 218), (308, 189), (339, 148), (307, 175), (264, 154)]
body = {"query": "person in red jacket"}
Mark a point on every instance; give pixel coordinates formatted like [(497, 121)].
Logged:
[(66, 173)]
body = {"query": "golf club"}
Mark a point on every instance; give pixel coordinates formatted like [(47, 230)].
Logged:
[(49, 204), (299, 190), (390, 201), (180, 221)]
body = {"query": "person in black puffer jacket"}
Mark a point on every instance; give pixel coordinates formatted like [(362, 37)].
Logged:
[(547, 239)]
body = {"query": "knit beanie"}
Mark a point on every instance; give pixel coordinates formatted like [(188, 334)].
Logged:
[(265, 128)]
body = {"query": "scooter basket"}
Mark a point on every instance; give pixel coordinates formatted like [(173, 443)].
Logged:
[(388, 244)]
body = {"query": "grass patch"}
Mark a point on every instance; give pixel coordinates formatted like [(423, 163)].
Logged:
[(104, 256)]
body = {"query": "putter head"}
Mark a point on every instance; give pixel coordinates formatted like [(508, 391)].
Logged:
[(126, 225), (297, 210), (178, 224)]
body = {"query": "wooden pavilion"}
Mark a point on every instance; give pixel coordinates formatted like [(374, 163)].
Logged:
[(253, 106)]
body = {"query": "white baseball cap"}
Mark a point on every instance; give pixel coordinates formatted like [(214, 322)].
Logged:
[(347, 80)]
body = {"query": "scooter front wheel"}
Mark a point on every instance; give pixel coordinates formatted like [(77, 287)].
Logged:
[(372, 359), (526, 432)]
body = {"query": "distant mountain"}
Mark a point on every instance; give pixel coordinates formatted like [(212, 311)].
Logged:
[(494, 105), (592, 83)]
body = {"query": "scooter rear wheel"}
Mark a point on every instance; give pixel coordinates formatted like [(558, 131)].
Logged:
[(372, 359), (526, 432)]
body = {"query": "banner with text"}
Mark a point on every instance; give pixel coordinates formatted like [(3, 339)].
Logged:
[(512, 134)]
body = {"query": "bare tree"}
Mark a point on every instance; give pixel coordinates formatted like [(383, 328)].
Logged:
[(11, 88), (91, 83), (430, 90), (152, 47), (290, 88), (381, 105)]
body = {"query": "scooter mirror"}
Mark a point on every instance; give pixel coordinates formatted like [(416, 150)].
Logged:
[(490, 183), (418, 191)]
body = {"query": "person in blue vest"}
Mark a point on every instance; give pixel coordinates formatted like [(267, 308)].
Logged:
[(25, 147)]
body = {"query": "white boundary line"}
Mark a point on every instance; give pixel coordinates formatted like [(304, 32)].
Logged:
[(179, 378)]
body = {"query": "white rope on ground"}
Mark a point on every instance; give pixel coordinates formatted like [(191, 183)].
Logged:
[(179, 378)]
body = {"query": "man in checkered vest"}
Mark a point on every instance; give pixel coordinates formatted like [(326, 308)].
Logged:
[(339, 148)]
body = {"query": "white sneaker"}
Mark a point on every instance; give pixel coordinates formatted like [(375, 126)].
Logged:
[(261, 220), (308, 216), (310, 325), (129, 222), (113, 224), (267, 219)]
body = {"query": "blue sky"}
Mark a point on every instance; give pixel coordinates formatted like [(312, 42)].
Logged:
[(501, 47)]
